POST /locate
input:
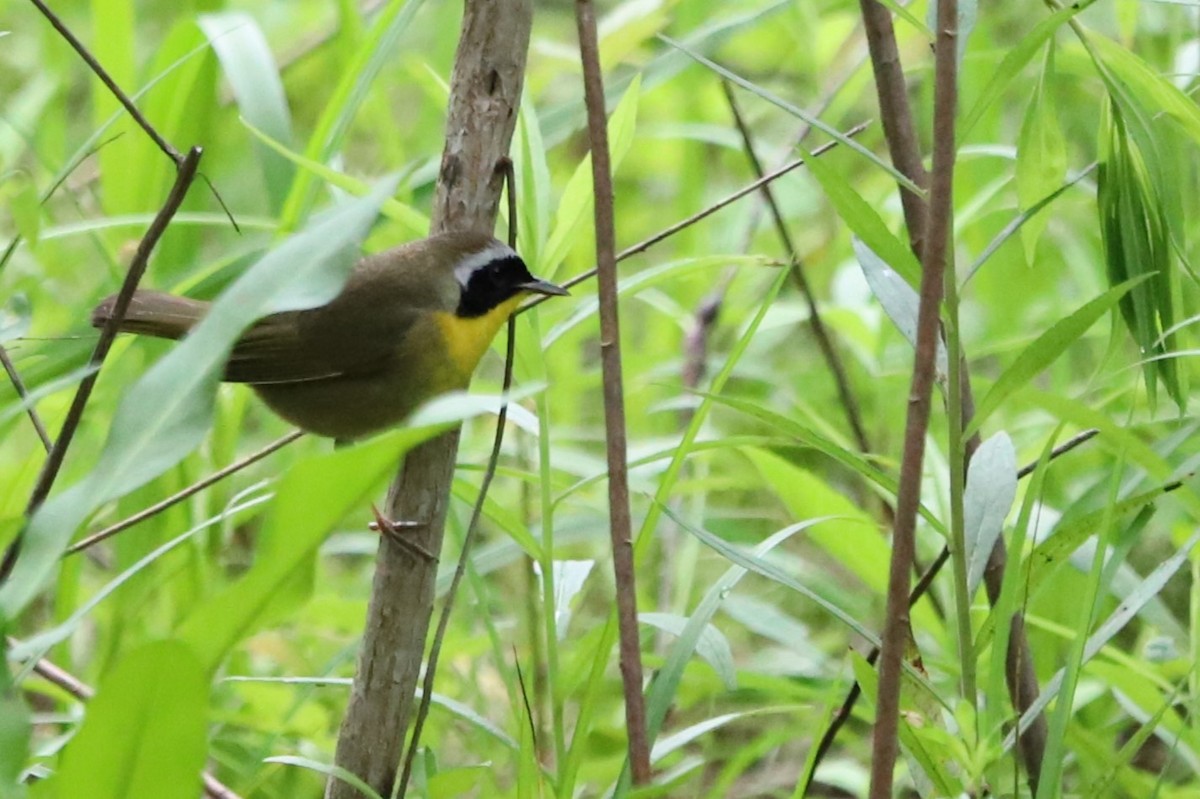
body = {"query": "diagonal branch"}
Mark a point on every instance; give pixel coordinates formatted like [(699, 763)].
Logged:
[(824, 341), (137, 268)]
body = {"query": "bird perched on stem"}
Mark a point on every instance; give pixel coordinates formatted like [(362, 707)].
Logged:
[(411, 323)]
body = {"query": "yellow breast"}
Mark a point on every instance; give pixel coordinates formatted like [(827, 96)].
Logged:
[(468, 339)]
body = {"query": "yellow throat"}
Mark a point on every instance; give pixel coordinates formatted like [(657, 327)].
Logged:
[(467, 339)]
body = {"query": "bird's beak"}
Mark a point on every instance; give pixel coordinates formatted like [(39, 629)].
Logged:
[(544, 287)]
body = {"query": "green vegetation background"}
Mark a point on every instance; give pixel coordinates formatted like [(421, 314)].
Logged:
[(365, 96)]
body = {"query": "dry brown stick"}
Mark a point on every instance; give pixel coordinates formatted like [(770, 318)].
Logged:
[(180, 496), (485, 93), (824, 342), (704, 213), (137, 267), (460, 569), (937, 230), (620, 524), (23, 394), (213, 788), (842, 715)]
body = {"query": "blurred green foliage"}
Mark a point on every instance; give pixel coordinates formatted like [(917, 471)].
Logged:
[(301, 104)]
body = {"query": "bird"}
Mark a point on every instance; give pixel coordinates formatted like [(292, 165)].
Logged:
[(410, 323)]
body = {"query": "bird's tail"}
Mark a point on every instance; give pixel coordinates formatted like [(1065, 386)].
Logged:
[(153, 313)]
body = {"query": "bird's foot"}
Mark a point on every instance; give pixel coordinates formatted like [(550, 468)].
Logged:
[(395, 531)]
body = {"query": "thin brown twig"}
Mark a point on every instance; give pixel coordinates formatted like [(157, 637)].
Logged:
[(920, 588), (937, 229), (896, 114), (682, 224), (23, 393), (620, 524), (137, 268), (180, 496), (460, 568), (107, 80), (56, 675), (824, 341)]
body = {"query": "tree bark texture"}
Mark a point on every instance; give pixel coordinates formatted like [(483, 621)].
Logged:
[(485, 93)]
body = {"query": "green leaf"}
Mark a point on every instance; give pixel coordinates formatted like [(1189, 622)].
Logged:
[(352, 88), (1144, 85), (1044, 350), (803, 116), (851, 537), (710, 645), (412, 221), (576, 199), (1072, 531), (315, 494), (663, 690), (24, 205), (15, 732), (144, 735), (1134, 224), (111, 42), (987, 499), (1015, 59), (329, 770), (533, 184), (864, 221), (1041, 155), (772, 571), (165, 415), (1125, 612), (250, 67), (899, 299), (932, 763)]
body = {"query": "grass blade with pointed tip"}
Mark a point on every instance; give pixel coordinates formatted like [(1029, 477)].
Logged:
[(1045, 349)]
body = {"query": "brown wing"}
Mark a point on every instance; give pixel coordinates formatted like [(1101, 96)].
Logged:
[(358, 333), (300, 346)]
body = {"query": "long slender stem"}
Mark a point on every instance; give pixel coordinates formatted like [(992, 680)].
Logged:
[(23, 393), (180, 496), (896, 113), (816, 324), (842, 715), (937, 232), (107, 80), (958, 482), (620, 523)]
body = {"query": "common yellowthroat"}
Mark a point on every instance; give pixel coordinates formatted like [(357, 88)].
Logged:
[(411, 323)]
